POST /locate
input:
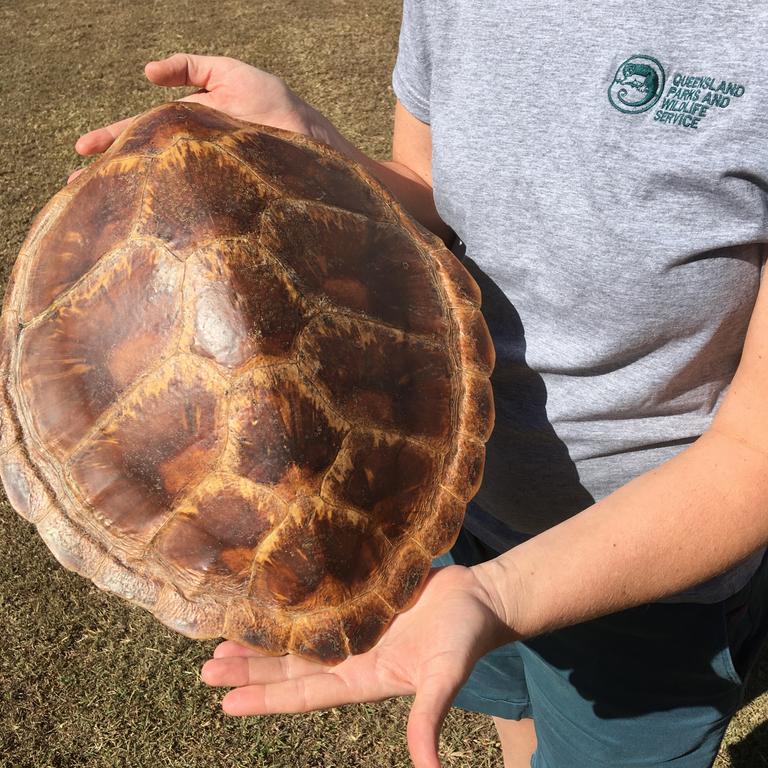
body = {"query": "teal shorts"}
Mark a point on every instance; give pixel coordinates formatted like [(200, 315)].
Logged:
[(650, 686)]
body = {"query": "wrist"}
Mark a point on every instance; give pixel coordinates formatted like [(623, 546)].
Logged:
[(503, 592)]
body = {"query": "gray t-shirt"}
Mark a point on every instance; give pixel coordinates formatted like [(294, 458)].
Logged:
[(606, 165)]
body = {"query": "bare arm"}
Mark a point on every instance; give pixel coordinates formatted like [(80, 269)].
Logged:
[(678, 525)]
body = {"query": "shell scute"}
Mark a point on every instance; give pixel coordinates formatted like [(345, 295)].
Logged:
[(26, 490), (319, 557), (79, 358), (404, 576), (387, 478), (99, 215), (198, 618), (319, 637), (351, 262), (10, 429), (363, 620), (196, 193), (160, 128), (215, 531), (282, 434), (243, 306), (381, 377), (464, 468), (439, 531), (300, 172), (268, 631), (166, 435)]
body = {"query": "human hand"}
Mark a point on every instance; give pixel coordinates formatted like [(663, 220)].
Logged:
[(428, 650), (229, 85)]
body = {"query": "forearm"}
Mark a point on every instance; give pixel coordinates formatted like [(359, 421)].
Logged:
[(682, 523)]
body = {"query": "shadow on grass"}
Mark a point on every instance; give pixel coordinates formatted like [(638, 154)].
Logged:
[(752, 750), (758, 682)]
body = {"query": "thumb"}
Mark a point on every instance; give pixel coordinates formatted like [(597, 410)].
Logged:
[(188, 69), (431, 705)]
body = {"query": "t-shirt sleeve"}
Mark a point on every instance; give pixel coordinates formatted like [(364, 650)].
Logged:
[(412, 75)]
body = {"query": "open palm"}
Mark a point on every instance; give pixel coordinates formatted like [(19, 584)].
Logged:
[(429, 650)]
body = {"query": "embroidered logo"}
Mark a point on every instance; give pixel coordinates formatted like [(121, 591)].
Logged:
[(637, 85)]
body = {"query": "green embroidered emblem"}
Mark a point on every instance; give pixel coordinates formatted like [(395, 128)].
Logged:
[(637, 85)]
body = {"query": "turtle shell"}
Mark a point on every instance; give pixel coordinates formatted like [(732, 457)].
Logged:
[(242, 388)]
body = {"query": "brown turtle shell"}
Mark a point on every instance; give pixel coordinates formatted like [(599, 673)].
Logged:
[(242, 388)]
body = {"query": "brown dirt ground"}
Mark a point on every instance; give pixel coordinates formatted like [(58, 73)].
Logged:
[(85, 680)]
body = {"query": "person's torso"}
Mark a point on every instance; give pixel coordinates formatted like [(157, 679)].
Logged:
[(606, 165)]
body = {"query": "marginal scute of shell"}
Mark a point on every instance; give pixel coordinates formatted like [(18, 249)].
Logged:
[(26, 490)]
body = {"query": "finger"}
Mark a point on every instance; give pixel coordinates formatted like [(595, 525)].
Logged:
[(74, 175), (97, 141), (430, 707), (302, 694), (251, 670), (231, 671), (188, 69)]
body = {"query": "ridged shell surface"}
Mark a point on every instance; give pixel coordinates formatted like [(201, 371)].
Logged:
[(241, 387)]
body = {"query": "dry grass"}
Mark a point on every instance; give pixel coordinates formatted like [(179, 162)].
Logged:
[(86, 681)]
